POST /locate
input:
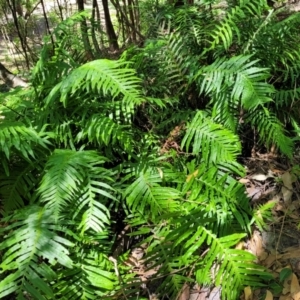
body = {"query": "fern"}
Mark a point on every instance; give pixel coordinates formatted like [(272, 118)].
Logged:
[(106, 76), (271, 130), (32, 236), (240, 78), (214, 142), (15, 135), (91, 278), (147, 196), (104, 131), (76, 178), (182, 246), (18, 188), (218, 192)]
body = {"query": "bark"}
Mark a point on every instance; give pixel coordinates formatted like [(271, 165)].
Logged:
[(112, 37), (10, 79), (12, 6), (84, 32)]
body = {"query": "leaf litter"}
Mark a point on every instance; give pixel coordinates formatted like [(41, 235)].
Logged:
[(277, 245)]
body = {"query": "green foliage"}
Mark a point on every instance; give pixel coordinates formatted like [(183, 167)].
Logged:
[(149, 142), (32, 235)]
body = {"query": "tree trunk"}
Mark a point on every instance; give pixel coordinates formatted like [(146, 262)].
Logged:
[(84, 33), (10, 79), (112, 37)]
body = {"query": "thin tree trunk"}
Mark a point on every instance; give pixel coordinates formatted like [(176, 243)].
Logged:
[(47, 23), (93, 24), (132, 21), (112, 37), (84, 33), (12, 7)]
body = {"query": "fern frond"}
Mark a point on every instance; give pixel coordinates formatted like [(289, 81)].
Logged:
[(31, 237), (76, 178), (263, 213), (147, 195), (222, 197), (271, 130), (236, 268), (229, 29), (112, 78), (245, 82), (285, 98), (15, 135), (225, 111), (104, 131), (91, 278), (20, 185), (212, 141)]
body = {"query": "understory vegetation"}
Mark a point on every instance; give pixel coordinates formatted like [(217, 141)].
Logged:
[(142, 148)]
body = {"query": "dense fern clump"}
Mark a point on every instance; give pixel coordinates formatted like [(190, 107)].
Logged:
[(150, 141)]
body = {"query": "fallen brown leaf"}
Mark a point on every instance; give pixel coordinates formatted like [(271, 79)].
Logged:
[(255, 245), (291, 254), (244, 180), (285, 297), (248, 293), (269, 296), (295, 287), (184, 294), (296, 296), (269, 261)]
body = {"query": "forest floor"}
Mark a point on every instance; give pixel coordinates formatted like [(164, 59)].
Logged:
[(274, 181)]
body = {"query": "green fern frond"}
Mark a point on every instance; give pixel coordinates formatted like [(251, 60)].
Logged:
[(234, 268), (245, 82), (222, 197), (147, 195), (263, 213), (76, 178), (229, 29), (104, 131), (110, 77), (177, 64), (91, 278), (271, 130), (225, 111), (212, 141), (185, 244), (20, 185), (31, 237), (15, 135), (285, 98)]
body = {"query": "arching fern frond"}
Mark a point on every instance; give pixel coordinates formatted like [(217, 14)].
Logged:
[(271, 130), (286, 98), (111, 78), (104, 131), (212, 141), (184, 242), (91, 278), (229, 29), (222, 197), (148, 196), (20, 185), (225, 111), (239, 77), (31, 237), (18, 136), (77, 179)]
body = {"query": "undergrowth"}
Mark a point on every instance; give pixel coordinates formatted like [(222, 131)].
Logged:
[(149, 142)]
